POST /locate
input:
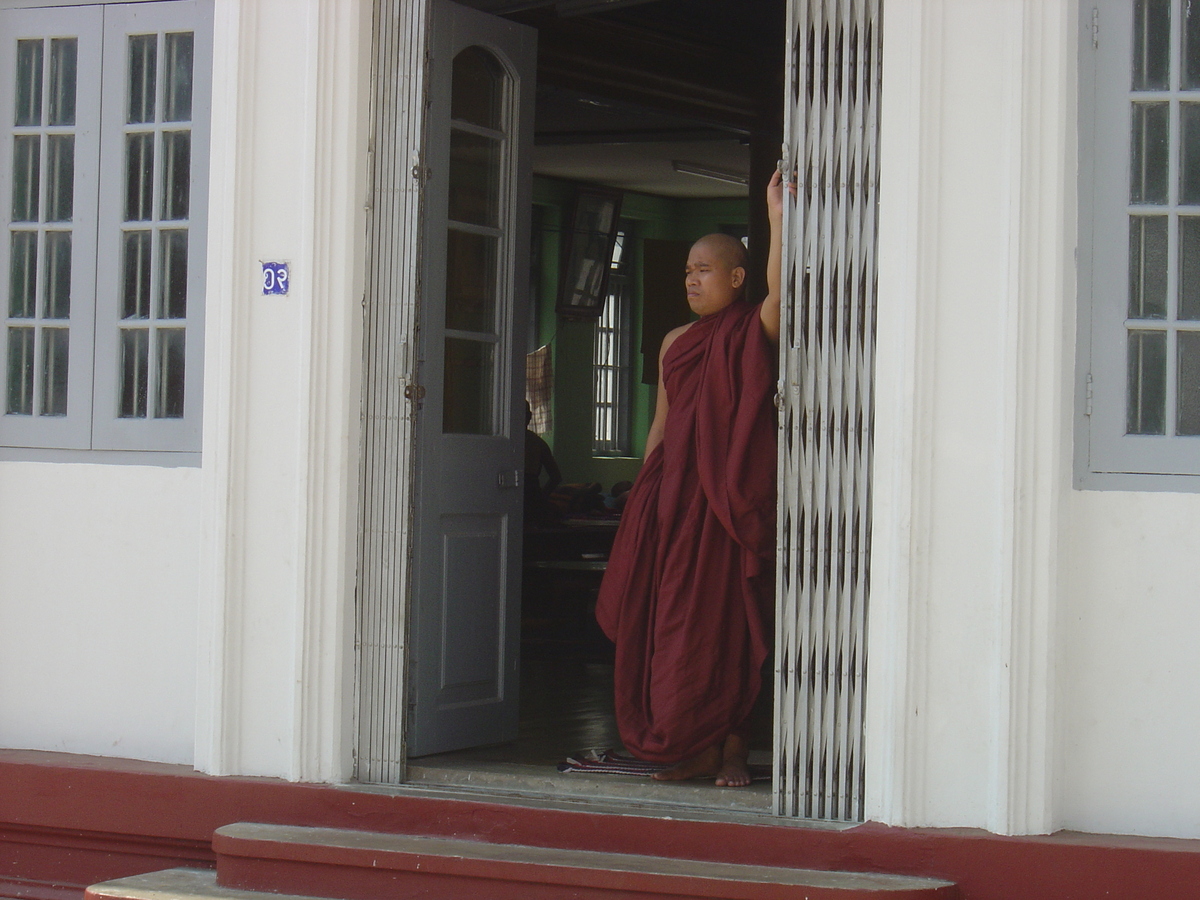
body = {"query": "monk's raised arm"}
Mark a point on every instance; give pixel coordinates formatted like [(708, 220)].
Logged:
[(770, 306), (655, 435)]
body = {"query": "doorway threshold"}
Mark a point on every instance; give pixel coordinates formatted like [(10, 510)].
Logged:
[(545, 782), (598, 795)]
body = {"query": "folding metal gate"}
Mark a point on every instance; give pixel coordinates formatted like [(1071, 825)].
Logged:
[(826, 403), (386, 460)]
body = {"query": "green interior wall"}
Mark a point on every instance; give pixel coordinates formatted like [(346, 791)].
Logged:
[(571, 341)]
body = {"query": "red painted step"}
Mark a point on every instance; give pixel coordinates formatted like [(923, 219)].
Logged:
[(359, 865)]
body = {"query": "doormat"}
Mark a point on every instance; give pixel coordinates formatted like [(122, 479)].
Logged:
[(608, 762)]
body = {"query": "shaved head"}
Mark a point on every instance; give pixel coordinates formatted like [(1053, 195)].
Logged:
[(730, 249)]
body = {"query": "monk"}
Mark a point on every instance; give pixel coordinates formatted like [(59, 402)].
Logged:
[(688, 590)]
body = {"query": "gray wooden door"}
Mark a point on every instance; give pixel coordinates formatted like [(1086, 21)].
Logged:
[(465, 626)]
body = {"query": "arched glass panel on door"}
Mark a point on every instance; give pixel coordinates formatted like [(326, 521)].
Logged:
[(475, 242)]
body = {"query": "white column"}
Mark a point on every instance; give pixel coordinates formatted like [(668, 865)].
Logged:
[(1042, 306), (975, 337), (904, 376), (290, 88)]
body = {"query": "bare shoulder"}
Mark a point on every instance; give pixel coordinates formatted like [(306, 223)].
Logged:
[(672, 335)]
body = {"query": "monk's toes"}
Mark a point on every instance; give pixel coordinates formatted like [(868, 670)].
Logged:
[(733, 779)]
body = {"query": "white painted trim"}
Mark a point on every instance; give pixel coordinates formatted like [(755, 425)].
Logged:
[(1037, 414), (225, 366), (904, 378), (325, 663)]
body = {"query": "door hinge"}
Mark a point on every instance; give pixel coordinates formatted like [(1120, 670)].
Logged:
[(508, 478), (420, 171), (1087, 397), (1095, 28)]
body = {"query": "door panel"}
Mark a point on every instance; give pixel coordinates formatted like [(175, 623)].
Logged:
[(470, 426), (473, 601)]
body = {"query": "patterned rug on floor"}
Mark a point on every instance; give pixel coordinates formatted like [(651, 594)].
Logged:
[(608, 762)]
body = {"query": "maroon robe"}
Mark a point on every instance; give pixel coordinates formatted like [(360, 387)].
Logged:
[(688, 588)]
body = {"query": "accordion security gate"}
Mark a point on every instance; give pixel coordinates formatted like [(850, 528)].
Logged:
[(386, 457), (831, 130)]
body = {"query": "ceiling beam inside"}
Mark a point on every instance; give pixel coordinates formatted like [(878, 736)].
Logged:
[(564, 8)]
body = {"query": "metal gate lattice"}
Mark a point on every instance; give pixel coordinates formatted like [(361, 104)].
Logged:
[(389, 362), (826, 401)]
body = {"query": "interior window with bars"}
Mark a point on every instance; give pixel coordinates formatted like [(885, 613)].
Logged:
[(1140, 146), (103, 295), (611, 359)]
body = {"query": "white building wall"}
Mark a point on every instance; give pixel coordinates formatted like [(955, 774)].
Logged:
[(1130, 666), (205, 615), (1032, 649), (98, 587)]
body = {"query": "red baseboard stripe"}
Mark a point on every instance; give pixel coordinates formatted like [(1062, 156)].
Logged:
[(147, 817)]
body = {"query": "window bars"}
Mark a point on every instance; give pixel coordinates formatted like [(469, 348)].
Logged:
[(611, 362), (826, 406)]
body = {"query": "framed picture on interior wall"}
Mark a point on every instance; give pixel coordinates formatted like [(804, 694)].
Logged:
[(587, 255)]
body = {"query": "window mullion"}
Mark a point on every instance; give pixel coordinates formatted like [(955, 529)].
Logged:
[(156, 404), (1173, 200)]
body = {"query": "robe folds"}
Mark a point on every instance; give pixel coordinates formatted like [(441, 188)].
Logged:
[(689, 584)]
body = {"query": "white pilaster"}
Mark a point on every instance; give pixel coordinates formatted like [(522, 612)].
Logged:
[(972, 440), (1040, 338), (326, 662), (282, 388), (225, 367), (905, 377)]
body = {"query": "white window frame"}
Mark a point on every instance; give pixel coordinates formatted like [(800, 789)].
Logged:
[(1106, 457), (92, 430)]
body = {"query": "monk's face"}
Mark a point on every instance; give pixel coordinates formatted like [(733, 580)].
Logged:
[(713, 279)]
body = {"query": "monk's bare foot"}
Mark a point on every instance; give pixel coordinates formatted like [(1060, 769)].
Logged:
[(734, 771), (703, 765)]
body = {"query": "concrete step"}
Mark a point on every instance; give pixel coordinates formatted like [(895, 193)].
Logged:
[(174, 884), (359, 865)]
